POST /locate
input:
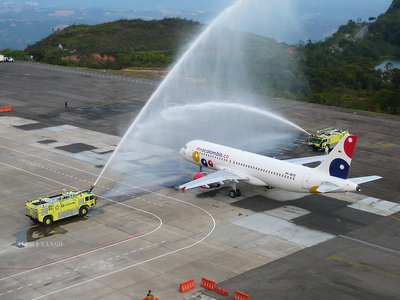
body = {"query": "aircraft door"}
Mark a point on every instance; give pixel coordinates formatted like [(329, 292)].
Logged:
[(306, 181)]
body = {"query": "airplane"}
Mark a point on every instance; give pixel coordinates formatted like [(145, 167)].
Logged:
[(234, 166)]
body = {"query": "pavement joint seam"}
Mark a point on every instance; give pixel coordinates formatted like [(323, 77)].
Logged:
[(74, 177), (78, 269), (135, 264)]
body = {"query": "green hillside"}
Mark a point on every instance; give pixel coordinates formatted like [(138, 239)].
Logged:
[(116, 44), (156, 43), (341, 70)]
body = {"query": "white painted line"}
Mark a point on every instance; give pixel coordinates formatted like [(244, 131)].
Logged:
[(97, 249), (142, 189), (370, 244)]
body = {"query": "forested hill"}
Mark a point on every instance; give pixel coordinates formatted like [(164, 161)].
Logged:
[(116, 44), (386, 29), (341, 70)]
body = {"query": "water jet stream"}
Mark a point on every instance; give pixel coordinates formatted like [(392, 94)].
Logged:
[(199, 97), (165, 81)]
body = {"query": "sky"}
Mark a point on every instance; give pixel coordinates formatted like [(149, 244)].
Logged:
[(333, 8), (24, 22)]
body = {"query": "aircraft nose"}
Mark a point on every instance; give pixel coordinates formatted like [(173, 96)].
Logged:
[(182, 151)]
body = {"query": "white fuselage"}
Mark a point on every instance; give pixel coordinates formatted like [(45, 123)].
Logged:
[(262, 170)]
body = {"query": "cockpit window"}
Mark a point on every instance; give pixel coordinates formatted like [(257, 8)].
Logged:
[(185, 147)]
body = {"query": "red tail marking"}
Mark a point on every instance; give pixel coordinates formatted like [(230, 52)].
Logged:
[(349, 145)]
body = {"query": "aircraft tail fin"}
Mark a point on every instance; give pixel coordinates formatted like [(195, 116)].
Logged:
[(338, 161)]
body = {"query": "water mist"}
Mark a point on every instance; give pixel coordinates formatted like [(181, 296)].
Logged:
[(208, 94)]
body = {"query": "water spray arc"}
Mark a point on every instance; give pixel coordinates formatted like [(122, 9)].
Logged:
[(164, 83), (202, 96)]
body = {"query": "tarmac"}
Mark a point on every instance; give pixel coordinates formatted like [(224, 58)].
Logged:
[(327, 246)]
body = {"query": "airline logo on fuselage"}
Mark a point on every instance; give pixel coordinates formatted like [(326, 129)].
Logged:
[(204, 162), (211, 152)]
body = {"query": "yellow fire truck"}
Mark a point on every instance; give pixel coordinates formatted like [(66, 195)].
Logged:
[(326, 138), (57, 207)]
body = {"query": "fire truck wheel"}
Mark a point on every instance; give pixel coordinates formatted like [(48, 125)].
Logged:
[(48, 220), (83, 210)]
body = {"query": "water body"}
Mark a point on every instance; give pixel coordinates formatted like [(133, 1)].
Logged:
[(207, 95), (395, 64)]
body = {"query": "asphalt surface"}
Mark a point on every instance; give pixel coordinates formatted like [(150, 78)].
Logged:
[(95, 100), (361, 261), (108, 103)]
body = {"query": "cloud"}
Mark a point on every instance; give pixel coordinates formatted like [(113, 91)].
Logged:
[(31, 3), (63, 13), (176, 12)]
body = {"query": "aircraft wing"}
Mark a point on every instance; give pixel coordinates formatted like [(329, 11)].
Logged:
[(365, 179), (306, 160), (217, 177)]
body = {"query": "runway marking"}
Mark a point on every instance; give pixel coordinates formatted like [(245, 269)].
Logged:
[(18, 202), (73, 177), (136, 264), (76, 270), (31, 199), (95, 74), (370, 244), (384, 144), (365, 267), (86, 252), (363, 204)]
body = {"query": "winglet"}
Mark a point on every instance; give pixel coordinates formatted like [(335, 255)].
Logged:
[(183, 189)]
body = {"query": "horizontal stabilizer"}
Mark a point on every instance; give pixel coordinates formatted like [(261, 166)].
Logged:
[(365, 179), (327, 187)]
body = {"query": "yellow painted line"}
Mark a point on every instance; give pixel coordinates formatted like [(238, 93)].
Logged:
[(36, 122), (9, 204), (23, 201), (365, 267), (366, 205), (384, 145)]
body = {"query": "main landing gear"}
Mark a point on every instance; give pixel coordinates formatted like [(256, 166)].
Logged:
[(235, 192)]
